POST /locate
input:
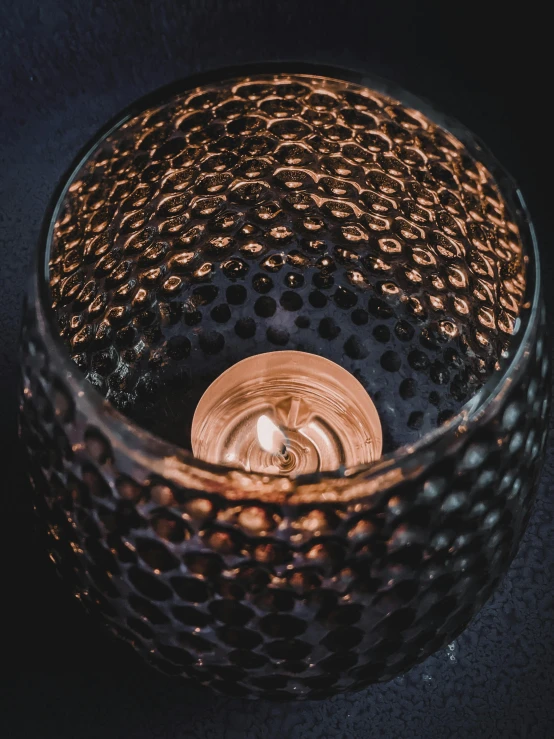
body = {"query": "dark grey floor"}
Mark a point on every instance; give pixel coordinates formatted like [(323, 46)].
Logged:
[(68, 66)]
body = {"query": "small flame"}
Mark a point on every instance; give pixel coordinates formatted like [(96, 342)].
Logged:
[(270, 436)]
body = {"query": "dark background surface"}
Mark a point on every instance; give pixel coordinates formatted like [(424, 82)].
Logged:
[(68, 66)]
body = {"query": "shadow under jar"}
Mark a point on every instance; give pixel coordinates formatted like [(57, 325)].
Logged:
[(227, 217)]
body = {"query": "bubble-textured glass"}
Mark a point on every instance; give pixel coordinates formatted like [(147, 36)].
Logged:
[(308, 213)]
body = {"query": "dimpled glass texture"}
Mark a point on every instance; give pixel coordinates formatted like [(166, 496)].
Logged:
[(218, 220)]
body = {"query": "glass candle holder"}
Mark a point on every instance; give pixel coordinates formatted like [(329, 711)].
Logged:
[(254, 212)]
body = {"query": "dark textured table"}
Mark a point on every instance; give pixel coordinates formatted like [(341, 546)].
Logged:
[(65, 68)]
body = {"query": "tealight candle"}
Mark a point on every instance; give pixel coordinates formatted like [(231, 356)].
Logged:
[(286, 413)]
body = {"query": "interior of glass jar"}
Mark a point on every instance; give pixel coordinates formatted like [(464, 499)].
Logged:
[(287, 212)]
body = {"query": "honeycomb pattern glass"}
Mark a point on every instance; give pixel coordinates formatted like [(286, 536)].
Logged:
[(276, 587)]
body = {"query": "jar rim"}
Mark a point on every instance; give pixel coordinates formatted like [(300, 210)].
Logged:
[(177, 464)]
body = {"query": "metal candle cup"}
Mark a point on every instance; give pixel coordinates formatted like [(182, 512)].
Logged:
[(287, 413)]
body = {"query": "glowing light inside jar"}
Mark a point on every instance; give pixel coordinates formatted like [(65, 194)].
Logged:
[(286, 413), (271, 437)]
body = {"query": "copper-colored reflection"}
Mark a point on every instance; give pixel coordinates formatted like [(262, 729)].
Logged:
[(286, 413)]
